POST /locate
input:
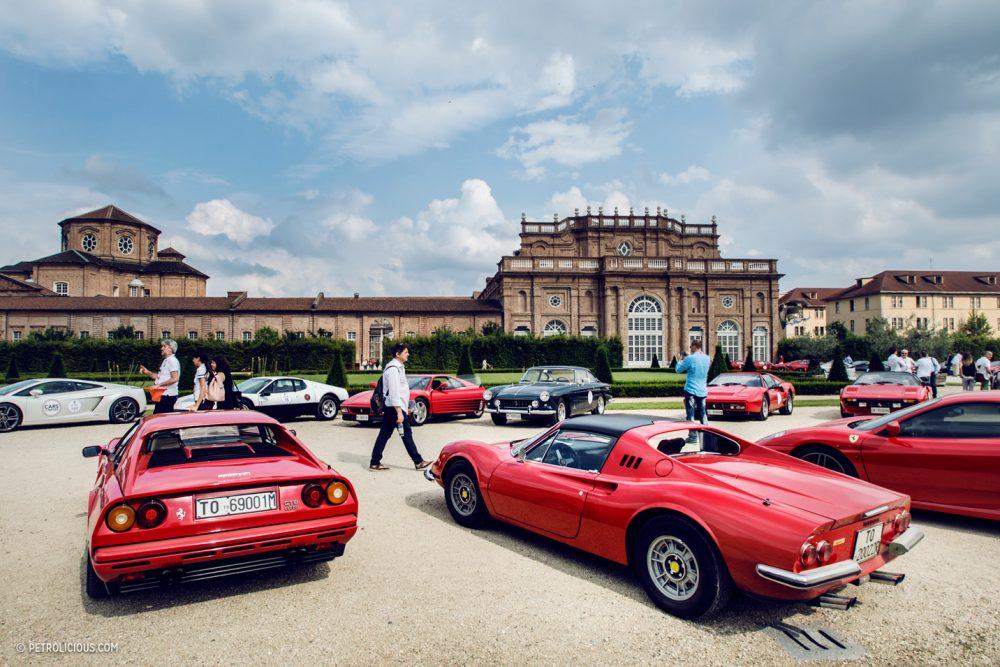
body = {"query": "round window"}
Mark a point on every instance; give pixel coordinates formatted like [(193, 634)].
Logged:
[(89, 242), (728, 302), (151, 248), (126, 245), (555, 301), (624, 248)]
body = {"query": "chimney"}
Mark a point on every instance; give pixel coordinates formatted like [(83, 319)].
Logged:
[(356, 295)]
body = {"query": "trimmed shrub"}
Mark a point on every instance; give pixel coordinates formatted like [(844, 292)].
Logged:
[(838, 371), (337, 376), (748, 362), (12, 373), (465, 362), (673, 364), (720, 364), (602, 366), (655, 363), (57, 369)]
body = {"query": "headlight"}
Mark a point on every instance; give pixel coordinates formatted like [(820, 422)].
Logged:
[(534, 404), (544, 396), (487, 395)]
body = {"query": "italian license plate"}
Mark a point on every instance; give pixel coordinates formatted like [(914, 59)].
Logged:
[(362, 418), (715, 413), (244, 503), (880, 411), (867, 543)]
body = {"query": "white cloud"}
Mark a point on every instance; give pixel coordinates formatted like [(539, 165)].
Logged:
[(692, 174), (345, 218), (567, 141), (221, 216)]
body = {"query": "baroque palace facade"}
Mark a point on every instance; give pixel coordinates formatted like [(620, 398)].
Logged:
[(652, 280)]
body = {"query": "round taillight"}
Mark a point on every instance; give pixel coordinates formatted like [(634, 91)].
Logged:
[(151, 514), (901, 522), (807, 556), (312, 495), (824, 552), (336, 493), (121, 518)]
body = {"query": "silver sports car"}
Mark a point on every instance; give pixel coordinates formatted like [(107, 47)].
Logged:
[(62, 401)]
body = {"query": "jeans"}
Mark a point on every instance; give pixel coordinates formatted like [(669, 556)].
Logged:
[(385, 432), (968, 383), (166, 404), (694, 408)]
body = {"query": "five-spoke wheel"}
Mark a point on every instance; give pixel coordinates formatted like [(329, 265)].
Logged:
[(327, 408), (123, 410), (10, 417), (420, 412)]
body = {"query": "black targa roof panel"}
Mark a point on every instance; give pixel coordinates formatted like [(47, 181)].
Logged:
[(613, 424)]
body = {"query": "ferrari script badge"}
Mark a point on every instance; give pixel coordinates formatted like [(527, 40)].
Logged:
[(853, 438)]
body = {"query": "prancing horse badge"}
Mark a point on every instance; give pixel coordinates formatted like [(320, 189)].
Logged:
[(853, 438)]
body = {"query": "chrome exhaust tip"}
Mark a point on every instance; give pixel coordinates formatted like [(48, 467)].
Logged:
[(888, 578), (833, 601)]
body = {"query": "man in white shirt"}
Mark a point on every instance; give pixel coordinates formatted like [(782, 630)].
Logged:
[(894, 363), (926, 367), (909, 366), (168, 376), (983, 370), (956, 365), (395, 414)]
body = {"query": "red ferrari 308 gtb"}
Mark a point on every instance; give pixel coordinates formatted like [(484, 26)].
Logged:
[(184, 497), (433, 396), (694, 511), (944, 454), (749, 394), (881, 392)]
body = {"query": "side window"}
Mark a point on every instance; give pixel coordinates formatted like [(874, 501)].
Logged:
[(85, 386), (455, 384), (119, 451), (579, 449), (281, 387), (49, 388), (969, 420), (439, 382), (298, 385), (537, 453), (770, 381)]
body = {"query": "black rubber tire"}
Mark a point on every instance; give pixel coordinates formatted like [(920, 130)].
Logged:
[(16, 419), (427, 413), (246, 404), (600, 407), (498, 418), (847, 467), (554, 419), (765, 410), (319, 408), (96, 588), (845, 414), (789, 405), (123, 401), (714, 583), (455, 474)]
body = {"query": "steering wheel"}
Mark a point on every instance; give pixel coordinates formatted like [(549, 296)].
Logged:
[(563, 454)]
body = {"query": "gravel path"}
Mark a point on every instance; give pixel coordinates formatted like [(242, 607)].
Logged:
[(414, 587)]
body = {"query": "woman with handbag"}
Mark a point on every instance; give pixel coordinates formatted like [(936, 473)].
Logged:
[(221, 389), (202, 382)]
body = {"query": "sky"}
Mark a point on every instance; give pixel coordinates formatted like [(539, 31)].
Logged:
[(389, 148)]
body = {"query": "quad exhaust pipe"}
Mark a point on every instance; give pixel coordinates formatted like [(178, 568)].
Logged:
[(834, 601), (888, 578)]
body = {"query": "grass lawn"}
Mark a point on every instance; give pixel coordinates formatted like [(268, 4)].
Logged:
[(678, 404)]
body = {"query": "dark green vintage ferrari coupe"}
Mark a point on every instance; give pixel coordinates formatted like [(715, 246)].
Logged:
[(552, 393)]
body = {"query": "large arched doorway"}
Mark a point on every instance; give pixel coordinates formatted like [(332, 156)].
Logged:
[(377, 332), (645, 331), (727, 336)]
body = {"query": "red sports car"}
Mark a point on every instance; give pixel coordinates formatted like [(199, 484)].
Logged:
[(694, 511), (184, 497), (944, 453), (799, 365), (748, 394), (433, 396), (758, 365), (881, 392)]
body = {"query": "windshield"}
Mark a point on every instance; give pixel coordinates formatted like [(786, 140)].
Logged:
[(736, 379), (17, 386), (253, 385), (879, 422), (417, 381), (554, 374), (888, 378), (517, 445)]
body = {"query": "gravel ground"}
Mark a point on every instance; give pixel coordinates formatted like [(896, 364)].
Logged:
[(414, 587)]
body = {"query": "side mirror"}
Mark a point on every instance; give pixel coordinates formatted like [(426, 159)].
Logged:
[(92, 451), (293, 431), (35, 393), (892, 429)]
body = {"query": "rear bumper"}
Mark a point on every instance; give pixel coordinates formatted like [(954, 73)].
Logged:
[(842, 572), (287, 540)]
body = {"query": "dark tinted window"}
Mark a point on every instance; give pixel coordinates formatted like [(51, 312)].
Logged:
[(47, 388), (967, 420), (298, 385), (212, 443)]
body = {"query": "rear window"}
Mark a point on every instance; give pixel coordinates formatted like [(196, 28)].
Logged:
[(888, 377), (685, 442), (212, 443)]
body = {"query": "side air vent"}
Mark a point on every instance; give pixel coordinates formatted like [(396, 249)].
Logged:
[(629, 461)]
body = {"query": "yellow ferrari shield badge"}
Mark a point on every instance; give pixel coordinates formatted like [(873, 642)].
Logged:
[(853, 438)]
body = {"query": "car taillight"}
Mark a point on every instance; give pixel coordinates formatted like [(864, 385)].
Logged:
[(312, 494), (336, 493), (824, 552), (151, 514), (120, 518), (807, 556), (901, 522)]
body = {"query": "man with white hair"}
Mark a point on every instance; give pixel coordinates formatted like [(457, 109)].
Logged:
[(168, 376)]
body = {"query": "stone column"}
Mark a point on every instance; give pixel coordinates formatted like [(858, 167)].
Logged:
[(683, 311)]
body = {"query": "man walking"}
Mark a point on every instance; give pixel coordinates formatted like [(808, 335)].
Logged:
[(696, 384), (168, 376), (983, 370), (395, 413)]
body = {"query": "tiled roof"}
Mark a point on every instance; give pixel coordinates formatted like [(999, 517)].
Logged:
[(922, 282), (812, 297), (80, 257), (110, 212), (16, 284)]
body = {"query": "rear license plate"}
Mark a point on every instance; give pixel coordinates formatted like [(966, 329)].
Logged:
[(717, 413), (362, 418), (880, 411), (867, 543), (244, 503)]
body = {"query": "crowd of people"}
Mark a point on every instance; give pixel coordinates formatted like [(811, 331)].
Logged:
[(213, 380), (927, 368)]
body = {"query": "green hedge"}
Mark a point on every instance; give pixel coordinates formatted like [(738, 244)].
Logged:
[(442, 350)]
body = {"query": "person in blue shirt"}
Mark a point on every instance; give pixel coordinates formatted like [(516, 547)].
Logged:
[(696, 385)]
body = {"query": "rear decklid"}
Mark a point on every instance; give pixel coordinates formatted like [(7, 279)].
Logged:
[(208, 476), (881, 391)]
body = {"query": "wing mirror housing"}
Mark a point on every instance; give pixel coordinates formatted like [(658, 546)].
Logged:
[(35, 393), (92, 451), (892, 429)]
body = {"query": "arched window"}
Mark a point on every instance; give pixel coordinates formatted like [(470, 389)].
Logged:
[(522, 300), (645, 331), (761, 302), (554, 328), (588, 301), (696, 334), (761, 344), (380, 330), (695, 302), (727, 335)]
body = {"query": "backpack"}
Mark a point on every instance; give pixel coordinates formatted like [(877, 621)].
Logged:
[(377, 402)]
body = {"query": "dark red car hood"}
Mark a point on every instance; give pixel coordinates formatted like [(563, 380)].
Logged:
[(362, 399), (206, 477)]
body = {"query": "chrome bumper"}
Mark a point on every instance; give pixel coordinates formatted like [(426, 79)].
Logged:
[(910, 538), (813, 578), (522, 411)]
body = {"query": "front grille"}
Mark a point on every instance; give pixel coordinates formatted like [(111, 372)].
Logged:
[(515, 403), (726, 406)]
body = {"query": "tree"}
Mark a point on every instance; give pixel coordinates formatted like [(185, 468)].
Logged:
[(122, 332), (602, 366), (875, 364), (673, 363), (465, 362), (837, 330), (12, 373), (492, 329), (838, 371), (337, 376), (976, 325), (748, 362), (719, 364), (267, 335), (655, 363), (57, 369)]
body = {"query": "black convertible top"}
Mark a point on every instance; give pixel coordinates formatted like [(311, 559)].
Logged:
[(614, 424)]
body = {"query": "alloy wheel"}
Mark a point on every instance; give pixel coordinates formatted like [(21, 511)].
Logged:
[(124, 410), (329, 408), (672, 567), (561, 411), (419, 413), (600, 405), (9, 418), (463, 494)]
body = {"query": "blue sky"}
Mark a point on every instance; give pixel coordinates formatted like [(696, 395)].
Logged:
[(279, 145)]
